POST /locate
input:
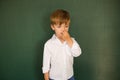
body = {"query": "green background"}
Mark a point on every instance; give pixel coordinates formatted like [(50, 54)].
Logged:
[(25, 27)]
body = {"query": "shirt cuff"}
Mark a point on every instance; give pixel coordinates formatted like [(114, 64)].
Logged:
[(45, 70)]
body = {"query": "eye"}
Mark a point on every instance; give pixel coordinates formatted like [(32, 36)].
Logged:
[(58, 26), (66, 26)]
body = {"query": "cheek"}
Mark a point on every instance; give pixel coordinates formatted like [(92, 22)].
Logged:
[(58, 31), (67, 29)]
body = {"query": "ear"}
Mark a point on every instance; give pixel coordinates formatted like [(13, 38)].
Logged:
[(52, 27)]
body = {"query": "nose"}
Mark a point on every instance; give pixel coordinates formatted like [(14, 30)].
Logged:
[(63, 28)]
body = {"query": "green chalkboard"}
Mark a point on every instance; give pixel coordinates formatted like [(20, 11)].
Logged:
[(25, 27)]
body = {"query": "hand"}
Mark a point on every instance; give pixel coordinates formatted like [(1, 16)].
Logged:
[(67, 38), (46, 76)]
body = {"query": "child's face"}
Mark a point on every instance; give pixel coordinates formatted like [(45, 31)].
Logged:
[(60, 29)]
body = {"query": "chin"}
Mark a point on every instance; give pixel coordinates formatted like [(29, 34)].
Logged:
[(60, 36)]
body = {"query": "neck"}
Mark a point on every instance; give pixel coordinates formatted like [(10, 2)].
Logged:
[(61, 39)]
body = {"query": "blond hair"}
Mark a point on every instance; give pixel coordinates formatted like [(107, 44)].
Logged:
[(59, 17)]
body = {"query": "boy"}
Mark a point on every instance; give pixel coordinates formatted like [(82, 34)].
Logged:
[(60, 49)]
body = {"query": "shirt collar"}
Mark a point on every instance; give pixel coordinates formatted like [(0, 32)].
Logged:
[(55, 38)]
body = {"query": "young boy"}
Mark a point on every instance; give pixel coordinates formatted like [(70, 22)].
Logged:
[(60, 49)]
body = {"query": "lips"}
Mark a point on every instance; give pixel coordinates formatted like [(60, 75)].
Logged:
[(62, 33)]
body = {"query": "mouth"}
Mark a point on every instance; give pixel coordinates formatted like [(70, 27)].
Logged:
[(62, 33)]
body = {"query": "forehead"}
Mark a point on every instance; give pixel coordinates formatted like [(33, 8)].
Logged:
[(62, 24)]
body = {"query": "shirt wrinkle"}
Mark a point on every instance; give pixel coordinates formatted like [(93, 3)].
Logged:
[(60, 57)]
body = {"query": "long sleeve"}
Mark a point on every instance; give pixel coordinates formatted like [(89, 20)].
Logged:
[(76, 50), (46, 59)]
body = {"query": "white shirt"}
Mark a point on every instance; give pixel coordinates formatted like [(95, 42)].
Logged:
[(58, 58)]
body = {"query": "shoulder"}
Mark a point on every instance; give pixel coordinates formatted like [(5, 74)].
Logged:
[(49, 44), (74, 41), (49, 41)]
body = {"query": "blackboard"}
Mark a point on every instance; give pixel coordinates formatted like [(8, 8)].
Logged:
[(25, 27)]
